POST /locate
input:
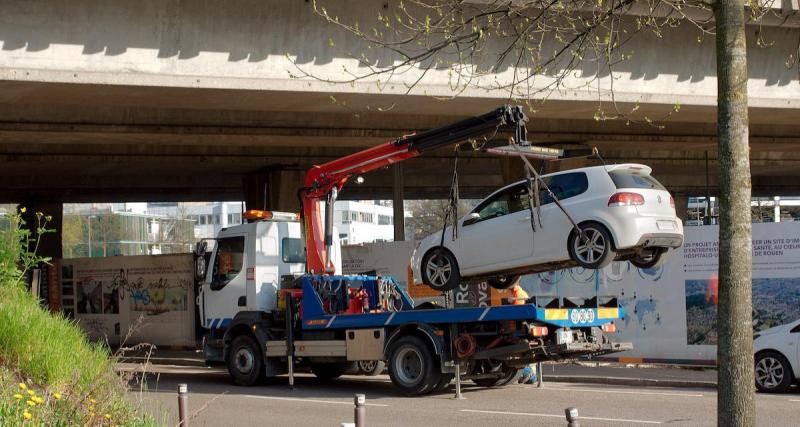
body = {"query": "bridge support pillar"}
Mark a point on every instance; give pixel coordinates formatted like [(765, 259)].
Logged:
[(681, 206), (273, 189)]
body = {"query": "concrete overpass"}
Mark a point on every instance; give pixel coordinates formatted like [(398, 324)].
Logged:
[(175, 100)]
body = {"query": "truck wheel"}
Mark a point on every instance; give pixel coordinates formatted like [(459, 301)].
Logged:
[(245, 363), (444, 382), (412, 367), (371, 367), (440, 270), (596, 252), (330, 370)]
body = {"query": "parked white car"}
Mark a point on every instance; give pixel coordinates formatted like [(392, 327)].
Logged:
[(624, 213), (777, 354)]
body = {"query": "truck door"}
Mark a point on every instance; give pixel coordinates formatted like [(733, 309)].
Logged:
[(225, 285)]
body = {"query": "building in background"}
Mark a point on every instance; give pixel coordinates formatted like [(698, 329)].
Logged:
[(208, 217), (364, 221)]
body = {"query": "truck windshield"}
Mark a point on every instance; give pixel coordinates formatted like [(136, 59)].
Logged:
[(292, 250), (626, 178)]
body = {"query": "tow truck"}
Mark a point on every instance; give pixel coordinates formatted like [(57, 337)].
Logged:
[(271, 300)]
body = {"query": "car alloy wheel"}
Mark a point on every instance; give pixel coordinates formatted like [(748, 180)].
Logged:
[(591, 247), (438, 269), (769, 372)]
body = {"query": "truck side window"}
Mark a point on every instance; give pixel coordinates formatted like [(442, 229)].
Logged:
[(292, 250), (229, 260)]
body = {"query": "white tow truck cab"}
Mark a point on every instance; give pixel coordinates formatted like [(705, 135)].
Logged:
[(245, 266)]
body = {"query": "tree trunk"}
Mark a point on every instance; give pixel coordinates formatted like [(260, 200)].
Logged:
[(734, 318)]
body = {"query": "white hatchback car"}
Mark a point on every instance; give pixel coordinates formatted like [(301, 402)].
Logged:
[(777, 354), (624, 213)]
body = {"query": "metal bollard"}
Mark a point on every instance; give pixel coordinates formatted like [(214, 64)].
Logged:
[(360, 410), (183, 405), (539, 375), (572, 417)]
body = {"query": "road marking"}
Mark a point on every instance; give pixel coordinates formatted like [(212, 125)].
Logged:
[(794, 400), (299, 399), (531, 414), (601, 390)]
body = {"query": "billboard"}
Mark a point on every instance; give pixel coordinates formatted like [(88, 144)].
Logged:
[(131, 299)]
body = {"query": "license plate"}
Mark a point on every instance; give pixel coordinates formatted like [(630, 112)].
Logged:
[(666, 225)]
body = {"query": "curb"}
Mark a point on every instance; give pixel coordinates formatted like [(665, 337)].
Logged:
[(195, 363), (636, 382)]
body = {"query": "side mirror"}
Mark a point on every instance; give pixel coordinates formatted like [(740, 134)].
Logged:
[(471, 219), (200, 260)]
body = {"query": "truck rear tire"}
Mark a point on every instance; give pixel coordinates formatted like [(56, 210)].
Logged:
[(245, 362), (330, 370), (413, 367)]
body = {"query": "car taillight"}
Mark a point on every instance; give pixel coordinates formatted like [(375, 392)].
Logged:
[(626, 199)]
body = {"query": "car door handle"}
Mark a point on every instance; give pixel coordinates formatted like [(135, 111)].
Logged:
[(527, 218)]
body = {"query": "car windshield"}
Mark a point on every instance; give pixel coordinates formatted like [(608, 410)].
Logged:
[(629, 178)]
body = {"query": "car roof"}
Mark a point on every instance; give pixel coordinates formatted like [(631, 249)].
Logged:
[(637, 167)]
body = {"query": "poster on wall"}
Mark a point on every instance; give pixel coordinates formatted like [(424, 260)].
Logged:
[(138, 298), (775, 284)]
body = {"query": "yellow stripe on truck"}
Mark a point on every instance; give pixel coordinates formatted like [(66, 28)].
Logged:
[(555, 314), (607, 313)]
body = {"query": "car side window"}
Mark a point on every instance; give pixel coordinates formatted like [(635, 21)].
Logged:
[(795, 330), (507, 202), (564, 186)]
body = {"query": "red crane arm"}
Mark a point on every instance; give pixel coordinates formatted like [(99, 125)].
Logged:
[(326, 180)]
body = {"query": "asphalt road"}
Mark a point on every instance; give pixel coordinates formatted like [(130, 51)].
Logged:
[(215, 401)]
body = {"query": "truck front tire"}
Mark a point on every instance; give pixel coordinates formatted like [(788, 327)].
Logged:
[(245, 362), (413, 368)]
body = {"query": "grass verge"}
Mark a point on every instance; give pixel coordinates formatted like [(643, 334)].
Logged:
[(51, 375)]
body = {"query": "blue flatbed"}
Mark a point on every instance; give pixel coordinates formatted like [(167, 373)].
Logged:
[(315, 316)]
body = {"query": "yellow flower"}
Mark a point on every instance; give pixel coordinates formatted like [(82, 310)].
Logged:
[(31, 403), (27, 415), (57, 395), (22, 385), (18, 396), (37, 399), (92, 401), (107, 416), (23, 209), (91, 414), (91, 407), (31, 392)]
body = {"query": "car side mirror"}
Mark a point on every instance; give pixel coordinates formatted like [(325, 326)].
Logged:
[(471, 219)]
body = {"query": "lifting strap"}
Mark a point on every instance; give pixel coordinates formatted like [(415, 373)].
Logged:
[(531, 170), (451, 211)]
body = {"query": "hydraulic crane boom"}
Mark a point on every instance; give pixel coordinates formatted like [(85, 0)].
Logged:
[(326, 180)]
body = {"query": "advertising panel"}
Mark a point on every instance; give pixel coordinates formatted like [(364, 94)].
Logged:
[(131, 299)]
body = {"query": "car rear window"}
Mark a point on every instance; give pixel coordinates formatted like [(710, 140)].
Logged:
[(627, 178)]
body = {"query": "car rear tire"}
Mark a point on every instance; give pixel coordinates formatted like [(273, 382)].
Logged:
[(503, 282), (413, 368), (371, 367), (440, 270), (508, 375), (773, 372), (330, 370), (651, 258), (597, 251), (245, 363)]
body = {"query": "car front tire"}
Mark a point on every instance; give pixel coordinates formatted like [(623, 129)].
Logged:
[(440, 270), (773, 372), (503, 282), (371, 367), (596, 250), (651, 259)]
